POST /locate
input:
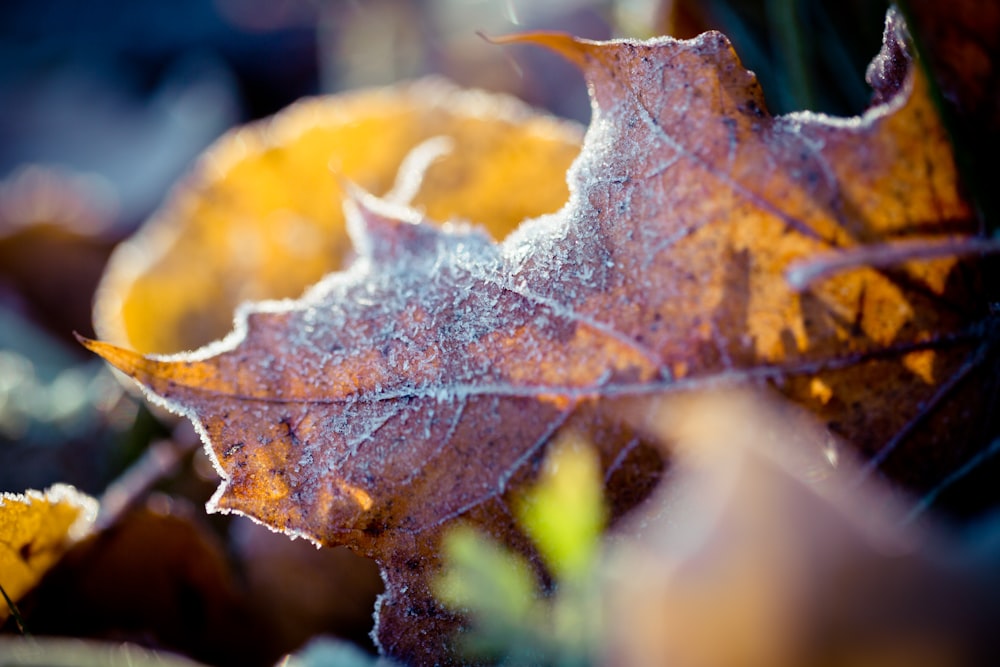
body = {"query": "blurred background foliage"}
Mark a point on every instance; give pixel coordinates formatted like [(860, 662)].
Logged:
[(103, 106)]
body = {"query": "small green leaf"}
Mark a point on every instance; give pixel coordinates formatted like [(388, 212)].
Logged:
[(484, 578), (565, 513), (497, 590), (512, 620)]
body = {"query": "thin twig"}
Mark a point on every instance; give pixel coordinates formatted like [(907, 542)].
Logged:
[(931, 497), (15, 612), (802, 274), (159, 460)]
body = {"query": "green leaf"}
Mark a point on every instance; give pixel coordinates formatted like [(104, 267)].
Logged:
[(565, 513), (485, 578)]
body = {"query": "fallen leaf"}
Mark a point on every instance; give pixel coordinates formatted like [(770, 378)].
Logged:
[(36, 529), (262, 217), (423, 383), (765, 551), (67, 652), (52, 217)]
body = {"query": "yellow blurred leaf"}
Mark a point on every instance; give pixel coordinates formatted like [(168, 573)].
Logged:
[(35, 530), (261, 216)]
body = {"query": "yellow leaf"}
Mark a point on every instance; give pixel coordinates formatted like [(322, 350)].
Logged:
[(35, 530), (261, 216)]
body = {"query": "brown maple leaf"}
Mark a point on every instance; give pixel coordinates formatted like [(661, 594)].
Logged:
[(422, 385)]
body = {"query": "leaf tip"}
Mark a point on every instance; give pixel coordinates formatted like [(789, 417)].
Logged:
[(81, 339), (384, 231), (127, 361), (487, 38), (572, 48)]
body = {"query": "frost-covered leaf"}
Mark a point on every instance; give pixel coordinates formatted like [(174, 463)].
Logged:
[(36, 528), (424, 383), (158, 577)]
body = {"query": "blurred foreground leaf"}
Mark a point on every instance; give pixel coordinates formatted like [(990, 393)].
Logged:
[(53, 652), (510, 617), (768, 550)]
